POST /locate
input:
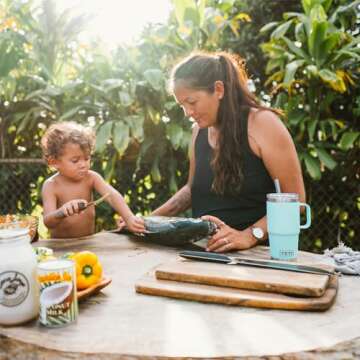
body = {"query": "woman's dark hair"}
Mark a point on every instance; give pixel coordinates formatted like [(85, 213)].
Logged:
[(200, 71)]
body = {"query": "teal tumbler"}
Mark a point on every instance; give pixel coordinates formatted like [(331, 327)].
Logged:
[(283, 224)]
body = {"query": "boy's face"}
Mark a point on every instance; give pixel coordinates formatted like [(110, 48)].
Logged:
[(73, 163)]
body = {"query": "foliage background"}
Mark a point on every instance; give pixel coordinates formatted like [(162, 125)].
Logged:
[(303, 57)]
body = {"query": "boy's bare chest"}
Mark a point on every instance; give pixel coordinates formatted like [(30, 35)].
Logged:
[(67, 192)]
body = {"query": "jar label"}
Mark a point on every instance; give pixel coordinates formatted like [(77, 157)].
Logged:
[(14, 288)]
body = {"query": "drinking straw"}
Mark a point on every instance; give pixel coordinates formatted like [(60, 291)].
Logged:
[(277, 185)]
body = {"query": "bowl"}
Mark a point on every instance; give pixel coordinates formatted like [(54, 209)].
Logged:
[(11, 221)]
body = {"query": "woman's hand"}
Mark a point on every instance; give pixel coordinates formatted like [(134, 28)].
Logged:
[(227, 238)]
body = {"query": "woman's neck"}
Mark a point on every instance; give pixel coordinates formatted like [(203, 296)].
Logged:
[(213, 134)]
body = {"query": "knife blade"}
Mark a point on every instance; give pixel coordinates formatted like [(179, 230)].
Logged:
[(82, 206), (232, 260)]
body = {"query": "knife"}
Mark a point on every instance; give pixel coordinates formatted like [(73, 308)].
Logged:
[(232, 260), (60, 214)]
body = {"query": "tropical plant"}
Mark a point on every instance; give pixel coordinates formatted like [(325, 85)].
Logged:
[(313, 64)]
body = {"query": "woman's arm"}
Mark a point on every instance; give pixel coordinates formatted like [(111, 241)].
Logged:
[(277, 150), (181, 201)]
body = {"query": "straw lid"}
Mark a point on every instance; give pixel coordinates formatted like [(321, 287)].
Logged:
[(283, 197)]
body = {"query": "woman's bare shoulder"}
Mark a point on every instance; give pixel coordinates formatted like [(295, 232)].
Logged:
[(264, 117), (264, 122)]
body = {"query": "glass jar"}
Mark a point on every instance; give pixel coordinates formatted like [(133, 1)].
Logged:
[(19, 293)]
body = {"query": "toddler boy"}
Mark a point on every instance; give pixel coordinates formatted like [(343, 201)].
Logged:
[(67, 147)]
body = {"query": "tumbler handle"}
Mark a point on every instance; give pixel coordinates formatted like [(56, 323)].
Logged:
[(308, 216)]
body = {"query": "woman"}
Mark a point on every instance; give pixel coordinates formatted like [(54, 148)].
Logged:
[(238, 148)]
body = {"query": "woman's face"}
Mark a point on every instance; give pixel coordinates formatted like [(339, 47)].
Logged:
[(199, 105)]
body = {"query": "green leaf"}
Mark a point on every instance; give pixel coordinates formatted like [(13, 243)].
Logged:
[(307, 4), (316, 40), (300, 33), (312, 69), (144, 149), (103, 135), (348, 139), (121, 137), (125, 98), (175, 133), (154, 115), (291, 69), (326, 158), (70, 113), (326, 4), (330, 43), (312, 166), (281, 30), (155, 171), (273, 63), (186, 10), (311, 128), (172, 181), (169, 105), (155, 78), (136, 124), (268, 26), (317, 12), (327, 75), (9, 87), (281, 100), (111, 84), (297, 51)]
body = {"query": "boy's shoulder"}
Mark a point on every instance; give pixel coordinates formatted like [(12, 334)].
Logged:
[(52, 180), (51, 183), (93, 174)]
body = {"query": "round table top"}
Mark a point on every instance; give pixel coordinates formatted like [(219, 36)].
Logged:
[(119, 321)]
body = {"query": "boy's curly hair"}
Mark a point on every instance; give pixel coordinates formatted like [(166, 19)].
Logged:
[(62, 133)]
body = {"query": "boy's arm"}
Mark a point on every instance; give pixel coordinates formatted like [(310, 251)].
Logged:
[(117, 202), (51, 219)]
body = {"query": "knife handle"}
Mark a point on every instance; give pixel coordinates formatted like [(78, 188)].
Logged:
[(205, 256), (60, 214)]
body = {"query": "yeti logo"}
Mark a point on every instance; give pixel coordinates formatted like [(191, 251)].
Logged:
[(14, 288)]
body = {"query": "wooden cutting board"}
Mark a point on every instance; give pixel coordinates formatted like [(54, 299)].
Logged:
[(150, 285), (244, 277)]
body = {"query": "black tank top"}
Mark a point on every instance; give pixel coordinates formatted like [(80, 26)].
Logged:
[(239, 211)]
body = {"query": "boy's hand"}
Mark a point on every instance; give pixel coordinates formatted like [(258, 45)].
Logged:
[(72, 207), (121, 224), (136, 224)]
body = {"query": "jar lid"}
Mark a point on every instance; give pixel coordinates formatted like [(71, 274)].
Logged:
[(283, 197), (56, 264), (9, 233)]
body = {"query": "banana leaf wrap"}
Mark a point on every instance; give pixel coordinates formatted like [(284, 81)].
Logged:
[(175, 231)]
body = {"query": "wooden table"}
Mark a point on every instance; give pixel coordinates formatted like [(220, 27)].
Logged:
[(119, 322)]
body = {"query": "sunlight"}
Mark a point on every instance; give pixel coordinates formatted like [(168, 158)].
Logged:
[(118, 21)]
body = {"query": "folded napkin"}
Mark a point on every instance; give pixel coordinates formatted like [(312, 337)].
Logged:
[(345, 259)]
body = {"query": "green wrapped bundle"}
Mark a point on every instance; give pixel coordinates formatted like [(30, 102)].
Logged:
[(176, 231)]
